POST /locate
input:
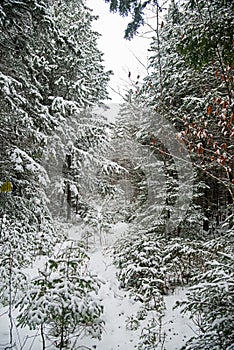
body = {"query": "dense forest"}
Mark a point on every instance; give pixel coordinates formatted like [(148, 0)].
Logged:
[(164, 167)]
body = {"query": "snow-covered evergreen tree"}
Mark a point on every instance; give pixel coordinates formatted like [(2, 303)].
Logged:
[(211, 301), (194, 96), (196, 101), (51, 70), (59, 300)]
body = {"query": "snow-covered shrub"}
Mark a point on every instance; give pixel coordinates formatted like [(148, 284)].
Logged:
[(60, 299), (182, 259), (16, 252), (132, 323), (100, 216), (14, 255), (151, 335), (139, 259), (211, 304), (152, 265)]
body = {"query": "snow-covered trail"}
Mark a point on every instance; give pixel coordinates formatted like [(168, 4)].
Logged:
[(118, 308), (117, 304)]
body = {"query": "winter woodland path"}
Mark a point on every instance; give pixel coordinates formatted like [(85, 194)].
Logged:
[(118, 309)]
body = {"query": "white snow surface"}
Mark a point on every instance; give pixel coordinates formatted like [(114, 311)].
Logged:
[(118, 308)]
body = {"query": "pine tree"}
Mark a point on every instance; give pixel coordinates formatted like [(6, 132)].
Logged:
[(136, 9), (188, 98), (59, 74), (59, 300), (210, 302), (189, 86)]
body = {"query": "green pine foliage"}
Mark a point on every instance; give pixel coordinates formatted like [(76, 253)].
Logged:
[(151, 265), (214, 26), (60, 160), (190, 84), (210, 303), (151, 335), (59, 300), (51, 75), (136, 9)]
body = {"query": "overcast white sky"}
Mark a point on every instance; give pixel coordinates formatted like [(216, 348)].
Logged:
[(118, 52)]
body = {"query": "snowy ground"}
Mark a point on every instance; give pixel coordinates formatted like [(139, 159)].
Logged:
[(118, 306), (118, 309)]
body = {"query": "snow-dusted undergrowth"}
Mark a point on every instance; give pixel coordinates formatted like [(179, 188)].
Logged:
[(123, 328)]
